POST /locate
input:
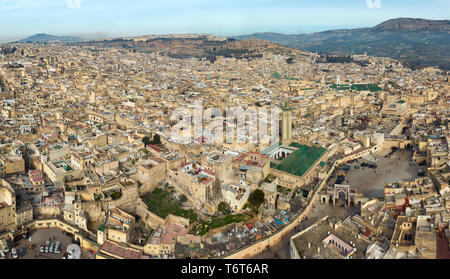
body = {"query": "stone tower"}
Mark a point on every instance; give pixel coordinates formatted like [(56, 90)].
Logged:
[(286, 132)]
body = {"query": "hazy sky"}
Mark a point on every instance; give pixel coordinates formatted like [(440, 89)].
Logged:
[(112, 18)]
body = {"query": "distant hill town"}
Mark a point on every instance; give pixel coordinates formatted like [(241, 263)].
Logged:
[(417, 43)]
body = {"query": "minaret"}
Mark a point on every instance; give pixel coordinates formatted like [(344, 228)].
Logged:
[(286, 132), (92, 96)]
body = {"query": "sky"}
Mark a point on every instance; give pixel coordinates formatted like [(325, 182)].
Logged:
[(115, 18)]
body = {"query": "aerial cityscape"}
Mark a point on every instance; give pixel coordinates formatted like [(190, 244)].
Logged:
[(189, 142)]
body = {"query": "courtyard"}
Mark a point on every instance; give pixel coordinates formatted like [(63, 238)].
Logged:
[(371, 181)]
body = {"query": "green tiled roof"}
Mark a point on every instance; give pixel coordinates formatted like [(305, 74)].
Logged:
[(359, 87), (276, 75), (299, 162), (101, 227)]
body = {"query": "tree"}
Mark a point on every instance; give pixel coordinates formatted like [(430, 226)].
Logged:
[(223, 208), (116, 195), (290, 60), (156, 139), (146, 141), (256, 198)]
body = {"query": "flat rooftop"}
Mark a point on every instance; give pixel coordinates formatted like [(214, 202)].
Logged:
[(317, 233), (118, 220), (198, 173)]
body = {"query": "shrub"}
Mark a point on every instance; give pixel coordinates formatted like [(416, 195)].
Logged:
[(223, 208), (116, 195), (256, 198)]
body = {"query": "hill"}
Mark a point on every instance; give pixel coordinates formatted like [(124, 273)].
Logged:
[(43, 38), (417, 43), (194, 46)]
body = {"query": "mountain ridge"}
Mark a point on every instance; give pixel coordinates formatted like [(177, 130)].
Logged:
[(417, 43), (42, 38)]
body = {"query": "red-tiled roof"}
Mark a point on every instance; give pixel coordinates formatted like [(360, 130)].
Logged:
[(122, 252), (442, 249), (35, 171), (154, 148)]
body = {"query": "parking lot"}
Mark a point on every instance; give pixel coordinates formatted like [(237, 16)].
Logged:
[(40, 236)]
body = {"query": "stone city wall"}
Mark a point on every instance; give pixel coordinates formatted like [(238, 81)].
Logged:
[(261, 245)]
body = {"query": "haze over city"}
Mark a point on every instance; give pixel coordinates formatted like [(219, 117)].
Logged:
[(251, 129), (115, 18)]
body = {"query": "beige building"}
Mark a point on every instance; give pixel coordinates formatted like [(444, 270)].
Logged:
[(219, 164), (7, 206), (252, 167), (37, 181), (198, 184), (14, 164), (236, 195), (117, 227), (404, 233), (151, 172), (73, 212)]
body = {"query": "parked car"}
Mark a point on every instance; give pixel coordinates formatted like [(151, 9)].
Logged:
[(52, 246), (57, 247), (42, 249), (2, 254), (47, 246), (21, 252), (4, 245), (14, 253)]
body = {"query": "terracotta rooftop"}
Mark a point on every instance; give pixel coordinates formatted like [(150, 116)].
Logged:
[(122, 252)]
